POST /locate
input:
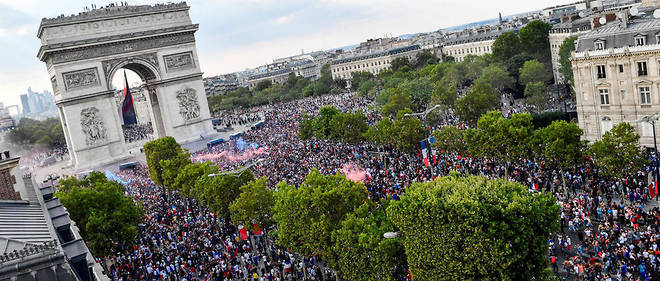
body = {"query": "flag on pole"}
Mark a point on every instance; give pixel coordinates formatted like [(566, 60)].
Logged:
[(433, 151), (425, 154), (127, 109)]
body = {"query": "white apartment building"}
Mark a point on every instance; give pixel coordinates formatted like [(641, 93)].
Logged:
[(617, 76), (558, 34), (477, 42), (342, 68)]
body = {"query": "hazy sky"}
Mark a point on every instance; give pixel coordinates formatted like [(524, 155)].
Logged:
[(239, 34)]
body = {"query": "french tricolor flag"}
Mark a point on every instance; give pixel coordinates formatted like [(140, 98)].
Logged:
[(425, 153)]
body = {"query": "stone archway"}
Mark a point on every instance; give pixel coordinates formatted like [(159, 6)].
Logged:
[(82, 53)]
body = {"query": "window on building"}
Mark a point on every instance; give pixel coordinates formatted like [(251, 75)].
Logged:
[(645, 95), (623, 94), (620, 68), (605, 124), (600, 69), (604, 96), (640, 40), (641, 68), (599, 45)]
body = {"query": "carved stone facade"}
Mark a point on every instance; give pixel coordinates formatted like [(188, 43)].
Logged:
[(110, 65), (178, 62), (122, 11), (81, 79), (92, 126), (84, 52), (121, 48), (188, 104), (53, 82)]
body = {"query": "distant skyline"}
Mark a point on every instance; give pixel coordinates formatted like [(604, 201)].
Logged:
[(239, 34)]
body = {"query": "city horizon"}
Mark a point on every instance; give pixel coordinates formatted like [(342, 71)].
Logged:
[(250, 51)]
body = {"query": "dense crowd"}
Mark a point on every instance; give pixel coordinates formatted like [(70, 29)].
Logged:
[(237, 117), (138, 132), (609, 228)]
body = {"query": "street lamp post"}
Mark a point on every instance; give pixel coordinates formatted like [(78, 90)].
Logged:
[(426, 131), (238, 172), (651, 119)]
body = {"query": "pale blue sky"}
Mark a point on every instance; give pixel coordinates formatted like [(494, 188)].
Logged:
[(238, 34)]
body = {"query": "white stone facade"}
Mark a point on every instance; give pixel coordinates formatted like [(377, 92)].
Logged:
[(83, 52), (460, 51), (343, 68), (611, 88)]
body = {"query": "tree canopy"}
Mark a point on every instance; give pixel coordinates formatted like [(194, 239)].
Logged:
[(102, 213), (618, 153), (472, 228), (164, 149), (565, 66), (307, 216), (46, 134)]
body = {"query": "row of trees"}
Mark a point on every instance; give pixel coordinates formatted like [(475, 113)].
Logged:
[(559, 144), (265, 92), (450, 224), (46, 134), (402, 132)]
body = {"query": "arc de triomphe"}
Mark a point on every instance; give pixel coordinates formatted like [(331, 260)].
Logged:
[(82, 52)]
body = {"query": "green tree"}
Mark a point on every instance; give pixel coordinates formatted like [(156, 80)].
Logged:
[(534, 40), (367, 88), (497, 77), (353, 127), (382, 133), (506, 46), (565, 67), (159, 150), (618, 153), (322, 122), (407, 131), (536, 93), (326, 77), (254, 205), (472, 228), (478, 100), (450, 139), (560, 146), (307, 216), (358, 77), (423, 58), (220, 191), (46, 134), (263, 84), (515, 63), (534, 71), (398, 63), (102, 213), (363, 253), (399, 99), (502, 139), (306, 128), (186, 178), (444, 95)]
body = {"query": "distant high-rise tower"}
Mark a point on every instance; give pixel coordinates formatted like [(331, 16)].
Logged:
[(500, 18), (26, 104)]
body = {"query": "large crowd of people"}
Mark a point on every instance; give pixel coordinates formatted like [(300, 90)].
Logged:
[(609, 228), (138, 132)]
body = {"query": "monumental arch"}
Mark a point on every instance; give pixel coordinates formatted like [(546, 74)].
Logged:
[(82, 52)]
